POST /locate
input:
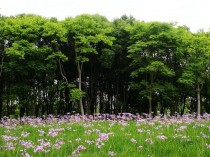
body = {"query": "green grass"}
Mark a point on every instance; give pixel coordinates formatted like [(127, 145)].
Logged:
[(189, 142)]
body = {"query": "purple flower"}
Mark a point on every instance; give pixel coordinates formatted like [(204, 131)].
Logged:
[(10, 146), (27, 144), (39, 149), (89, 142), (103, 136), (140, 130), (99, 144), (111, 153), (9, 138), (81, 147), (58, 144), (182, 128), (25, 134), (52, 133), (162, 137), (26, 155), (133, 140)]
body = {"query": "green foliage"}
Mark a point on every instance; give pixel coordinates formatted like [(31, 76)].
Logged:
[(57, 55), (86, 31), (163, 63), (197, 62), (107, 58), (153, 47), (76, 94)]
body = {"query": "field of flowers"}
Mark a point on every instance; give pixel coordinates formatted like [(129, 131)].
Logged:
[(122, 135)]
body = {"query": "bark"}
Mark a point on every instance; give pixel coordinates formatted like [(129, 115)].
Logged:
[(8, 108), (1, 106), (150, 92), (198, 99), (1, 100), (67, 101), (184, 102), (79, 69), (150, 102)]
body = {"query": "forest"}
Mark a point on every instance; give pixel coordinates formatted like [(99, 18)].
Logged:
[(89, 65)]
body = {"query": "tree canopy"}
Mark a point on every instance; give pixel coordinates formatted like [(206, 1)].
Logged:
[(89, 65)]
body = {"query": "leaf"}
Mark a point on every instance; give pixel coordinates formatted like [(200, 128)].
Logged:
[(76, 94), (59, 55)]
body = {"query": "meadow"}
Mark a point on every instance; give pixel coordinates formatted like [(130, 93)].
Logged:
[(122, 135)]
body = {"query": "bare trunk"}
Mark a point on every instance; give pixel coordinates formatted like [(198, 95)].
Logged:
[(150, 92), (1, 99), (184, 102), (1, 67), (80, 87), (150, 102), (198, 99)]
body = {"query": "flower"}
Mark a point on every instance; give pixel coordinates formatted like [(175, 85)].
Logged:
[(27, 144), (182, 128), (52, 133), (162, 137), (140, 147), (149, 140), (133, 140), (89, 142), (81, 147), (77, 151), (103, 136), (10, 146), (39, 149), (99, 144), (41, 132), (111, 153), (26, 155), (140, 130), (78, 139), (25, 134), (9, 138)]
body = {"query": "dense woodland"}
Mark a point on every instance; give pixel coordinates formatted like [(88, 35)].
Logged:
[(89, 65)]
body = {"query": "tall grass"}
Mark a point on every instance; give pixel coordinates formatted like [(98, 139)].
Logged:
[(122, 136)]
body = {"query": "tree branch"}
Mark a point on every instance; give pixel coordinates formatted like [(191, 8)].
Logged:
[(61, 71)]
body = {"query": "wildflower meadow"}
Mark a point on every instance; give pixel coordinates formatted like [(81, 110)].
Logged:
[(104, 135)]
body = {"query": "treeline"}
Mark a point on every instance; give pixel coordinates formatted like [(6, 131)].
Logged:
[(89, 64)]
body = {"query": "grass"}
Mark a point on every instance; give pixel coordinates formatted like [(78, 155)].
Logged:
[(173, 137)]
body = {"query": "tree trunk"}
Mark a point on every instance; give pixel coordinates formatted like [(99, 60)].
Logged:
[(22, 110), (80, 88), (184, 105), (1, 100), (93, 95), (198, 99), (67, 101), (8, 108), (150, 102), (1, 106), (150, 92)]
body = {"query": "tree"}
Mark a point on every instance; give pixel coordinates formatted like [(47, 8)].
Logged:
[(85, 32), (32, 41), (152, 47), (119, 72), (197, 63), (2, 57)]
